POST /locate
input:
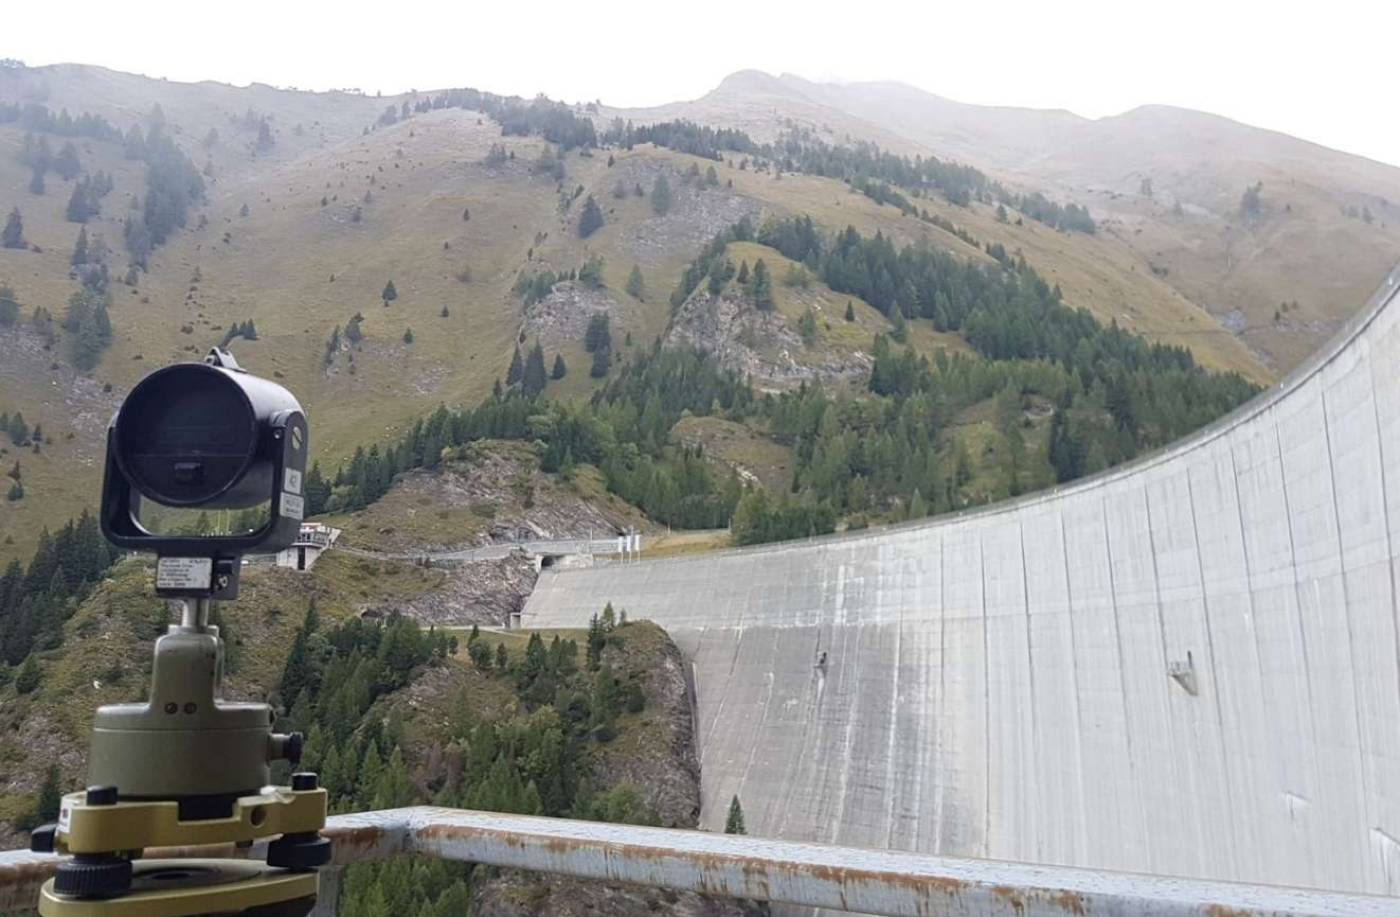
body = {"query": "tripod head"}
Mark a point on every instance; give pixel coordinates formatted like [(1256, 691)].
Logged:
[(186, 767)]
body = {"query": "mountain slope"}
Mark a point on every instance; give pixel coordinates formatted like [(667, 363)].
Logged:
[(341, 207), (1311, 243)]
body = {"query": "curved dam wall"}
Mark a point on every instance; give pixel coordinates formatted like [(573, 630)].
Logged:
[(1189, 665)]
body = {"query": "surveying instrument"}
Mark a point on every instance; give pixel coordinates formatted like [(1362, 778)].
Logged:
[(186, 768)]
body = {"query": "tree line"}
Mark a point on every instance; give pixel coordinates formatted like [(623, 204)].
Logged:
[(864, 165), (36, 600), (540, 116), (32, 116)]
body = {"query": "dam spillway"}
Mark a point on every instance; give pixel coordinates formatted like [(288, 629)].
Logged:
[(1188, 665)]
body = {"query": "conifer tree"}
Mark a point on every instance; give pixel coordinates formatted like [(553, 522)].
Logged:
[(29, 675), (661, 196), (36, 183), (559, 370), (81, 203), (9, 310), (602, 362), (533, 379), (517, 368), (598, 334), (66, 163), (80, 249), (761, 287), (636, 287), (596, 639), (50, 796), (743, 276), (390, 294), (850, 311), (591, 219), (13, 234), (408, 336), (734, 823)]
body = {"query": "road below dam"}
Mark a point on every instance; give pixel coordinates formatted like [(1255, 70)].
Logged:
[(1189, 665)]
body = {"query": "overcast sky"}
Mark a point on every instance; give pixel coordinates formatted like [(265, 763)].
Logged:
[(1325, 72)]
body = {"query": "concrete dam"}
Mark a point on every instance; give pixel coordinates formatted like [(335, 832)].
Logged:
[(1188, 665)]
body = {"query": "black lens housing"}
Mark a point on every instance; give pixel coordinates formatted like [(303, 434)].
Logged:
[(207, 436)]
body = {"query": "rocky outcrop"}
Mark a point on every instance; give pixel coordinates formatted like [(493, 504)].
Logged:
[(483, 592), (494, 493), (696, 214), (562, 317), (760, 345)]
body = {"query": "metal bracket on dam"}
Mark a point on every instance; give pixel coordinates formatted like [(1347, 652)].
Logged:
[(1185, 666)]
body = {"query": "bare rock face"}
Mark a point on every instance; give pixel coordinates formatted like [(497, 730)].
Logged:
[(761, 345), (562, 316), (483, 592), (697, 212)]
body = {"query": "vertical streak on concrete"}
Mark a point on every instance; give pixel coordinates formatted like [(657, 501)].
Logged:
[(939, 747), (1133, 779), (989, 787), (1173, 750), (1076, 703), (1213, 686), (1280, 754), (1319, 782), (1346, 610), (984, 716), (1388, 520), (1035, 848)]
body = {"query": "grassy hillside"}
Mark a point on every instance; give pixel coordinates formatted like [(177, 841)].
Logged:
[(450, 229)]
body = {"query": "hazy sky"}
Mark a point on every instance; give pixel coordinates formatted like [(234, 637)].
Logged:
[(1325, 72)]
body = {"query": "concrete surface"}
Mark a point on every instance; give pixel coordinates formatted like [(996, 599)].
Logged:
[(1017, 683)]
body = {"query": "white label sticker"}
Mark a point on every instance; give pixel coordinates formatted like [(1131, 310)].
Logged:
[(184, 573), (291, 481), (293, 506), (65, 819)]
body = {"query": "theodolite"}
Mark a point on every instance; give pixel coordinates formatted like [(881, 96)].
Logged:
[(185, 768)]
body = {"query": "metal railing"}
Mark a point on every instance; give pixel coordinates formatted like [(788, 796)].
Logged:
[(866, 881)]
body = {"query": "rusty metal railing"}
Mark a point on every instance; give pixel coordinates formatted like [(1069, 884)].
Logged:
[(816, 875)]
